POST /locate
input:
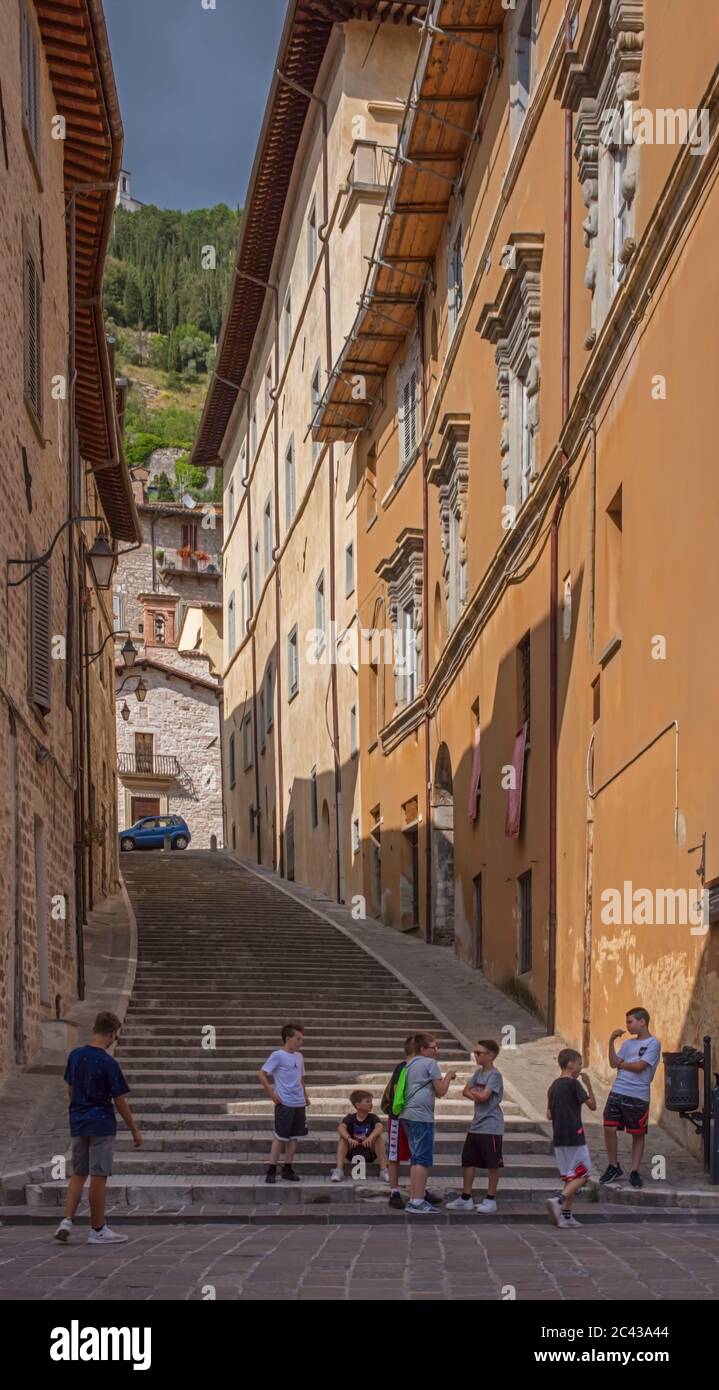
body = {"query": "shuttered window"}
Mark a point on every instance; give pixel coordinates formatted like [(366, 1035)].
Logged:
[(407, 400), (40, 681), (32, 294), (30, 80)]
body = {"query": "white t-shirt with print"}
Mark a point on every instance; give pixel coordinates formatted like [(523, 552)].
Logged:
[(638, 1083), (287, 1069)]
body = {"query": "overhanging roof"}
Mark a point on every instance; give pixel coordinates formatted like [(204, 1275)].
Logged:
[(304, 42), (442, 120), (77, 52)]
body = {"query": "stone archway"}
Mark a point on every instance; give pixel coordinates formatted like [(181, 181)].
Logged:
[(443, 929)]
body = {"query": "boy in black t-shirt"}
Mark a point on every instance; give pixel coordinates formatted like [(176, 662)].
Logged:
[(564, 1108), (361, 1135)]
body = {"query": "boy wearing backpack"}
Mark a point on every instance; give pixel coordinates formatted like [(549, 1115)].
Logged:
[(418, 1087), (397, 1146)]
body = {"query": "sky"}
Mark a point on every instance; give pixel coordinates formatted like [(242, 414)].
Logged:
[(192, 84)]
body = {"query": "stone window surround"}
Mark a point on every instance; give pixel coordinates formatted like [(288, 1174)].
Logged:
[(512, 323), (403, 575), (598, 77), (449, 473), (159, 605), (409, 368)]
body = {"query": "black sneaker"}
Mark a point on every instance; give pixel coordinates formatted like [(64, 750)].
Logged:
[(270, 1175), (610, 1174), (288, 1174), (434, 1198), (635, 1179), (396, 1201)]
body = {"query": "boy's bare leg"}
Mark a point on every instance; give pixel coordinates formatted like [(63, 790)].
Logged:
[(468, 1175), (611, 1141), (570, 1190), (98, 1194), (277, 1147), (418, 1182), (291, 1149), (380, 1148), (73, 1195), (638, 1141), (342, 1148), (493, 1181)]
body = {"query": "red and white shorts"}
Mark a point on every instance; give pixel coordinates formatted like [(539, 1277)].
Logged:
[(397, 1146), (573, 1162)]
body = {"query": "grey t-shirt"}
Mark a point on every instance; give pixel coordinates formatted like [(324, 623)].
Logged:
[(421, 1072), (488, 1117)]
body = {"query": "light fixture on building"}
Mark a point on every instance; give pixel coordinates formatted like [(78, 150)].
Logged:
[(141, 691), (129, 653), (102, 560), (125, 711)]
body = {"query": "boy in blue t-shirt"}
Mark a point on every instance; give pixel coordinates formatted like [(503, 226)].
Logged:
[(96, 1087)]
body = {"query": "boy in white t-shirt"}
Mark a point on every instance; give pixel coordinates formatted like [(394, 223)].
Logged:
[(283, 1078), (627, 1104)]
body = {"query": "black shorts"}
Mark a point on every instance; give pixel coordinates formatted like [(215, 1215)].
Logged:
[(626, 1112), (290, 1122), (482, 1151), (362, 1151)]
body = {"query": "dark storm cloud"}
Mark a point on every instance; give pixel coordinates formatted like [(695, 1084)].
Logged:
[(193, 84)]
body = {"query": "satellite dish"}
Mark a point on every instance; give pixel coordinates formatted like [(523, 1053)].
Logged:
[(188, 501)]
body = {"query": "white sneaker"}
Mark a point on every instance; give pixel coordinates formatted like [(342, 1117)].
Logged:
[(64, 1230), (554, 1207), (337, 1175), (566, 1219), (384, 1175), (487, 1207), (462, 1204), (106, 1237)]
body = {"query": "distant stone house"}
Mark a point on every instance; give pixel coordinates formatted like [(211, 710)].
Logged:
[(169, 759)]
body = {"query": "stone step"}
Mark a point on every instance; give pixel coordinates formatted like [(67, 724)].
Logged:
[(259, 1120), (234, 1090), (150, 1191), (128, 1164), (246, 1144), (333, 1108), (188, 1053)]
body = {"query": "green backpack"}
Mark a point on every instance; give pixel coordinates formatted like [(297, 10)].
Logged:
[(399, 1099)]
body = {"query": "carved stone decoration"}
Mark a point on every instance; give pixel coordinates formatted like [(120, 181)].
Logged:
[(403, 572), (597, 81), (513, 322), (449, 472)]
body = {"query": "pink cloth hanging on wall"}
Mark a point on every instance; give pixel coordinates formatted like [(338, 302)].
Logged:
[(476, 774), (514, 795)]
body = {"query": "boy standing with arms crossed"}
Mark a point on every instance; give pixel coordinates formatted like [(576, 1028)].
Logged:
[(565, 1099), (627, 1104), (483, 1145)]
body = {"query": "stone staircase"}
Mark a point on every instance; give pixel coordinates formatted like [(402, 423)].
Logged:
[(224, 959)]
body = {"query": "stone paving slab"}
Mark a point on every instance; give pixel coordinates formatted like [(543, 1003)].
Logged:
[(300, 1213), (638, 1261)]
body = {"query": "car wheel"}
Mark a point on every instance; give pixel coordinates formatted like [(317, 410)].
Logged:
[(181, 842), (126, 845)]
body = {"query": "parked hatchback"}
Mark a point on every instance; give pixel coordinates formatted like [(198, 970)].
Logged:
[(150, 832)]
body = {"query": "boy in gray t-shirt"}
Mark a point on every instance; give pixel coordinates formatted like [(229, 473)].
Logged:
[(483, 1145)]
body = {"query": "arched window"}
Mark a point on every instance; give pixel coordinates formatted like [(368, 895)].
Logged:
[(160, 629)]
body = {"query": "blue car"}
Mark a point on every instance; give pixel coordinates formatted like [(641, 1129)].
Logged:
[(150, 832)]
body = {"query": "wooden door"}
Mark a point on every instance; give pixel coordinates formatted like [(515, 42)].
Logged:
[(144, 806)]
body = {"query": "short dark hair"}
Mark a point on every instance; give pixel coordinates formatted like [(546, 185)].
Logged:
[(421, 1040), (290, 1030), (567, 1055), (639, 1013), (409, 1045), (106, 1023), (490, 1045), (357, 1096)]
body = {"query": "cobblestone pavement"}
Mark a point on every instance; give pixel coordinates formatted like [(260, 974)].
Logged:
[(640, 1262)]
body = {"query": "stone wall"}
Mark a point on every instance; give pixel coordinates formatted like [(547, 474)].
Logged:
[(137, 574)]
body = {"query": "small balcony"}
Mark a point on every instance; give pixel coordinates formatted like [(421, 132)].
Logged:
[(148, 765)]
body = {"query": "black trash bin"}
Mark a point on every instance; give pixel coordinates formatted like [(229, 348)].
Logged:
[(681, 1079)]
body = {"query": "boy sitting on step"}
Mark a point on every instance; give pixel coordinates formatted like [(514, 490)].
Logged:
[(361, 1135)]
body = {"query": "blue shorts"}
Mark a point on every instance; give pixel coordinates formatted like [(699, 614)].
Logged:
[(420, 1137)]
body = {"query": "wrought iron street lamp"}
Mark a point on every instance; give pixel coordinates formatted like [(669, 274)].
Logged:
[(128, 652)]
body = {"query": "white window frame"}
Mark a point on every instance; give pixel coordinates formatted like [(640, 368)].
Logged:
[(267, 534), (246, 607), (408, 390), (293, 663), (455, 273), (349, 569), (316, 397), (231, 502), (320, 614), (290, 482), (231, 625), (287, 325), (248, 758)]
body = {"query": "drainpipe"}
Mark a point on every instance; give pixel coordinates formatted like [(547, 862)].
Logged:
[(554, 571), (74, 625), (250, 574), (426, 647), (85, 696)]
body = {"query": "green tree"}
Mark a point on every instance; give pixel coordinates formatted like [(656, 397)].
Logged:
[(132, 302), (164, 489)]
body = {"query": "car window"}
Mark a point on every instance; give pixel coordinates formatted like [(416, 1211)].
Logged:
[(149, 825)]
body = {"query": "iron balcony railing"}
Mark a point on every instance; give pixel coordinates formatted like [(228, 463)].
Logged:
[(147, 765)]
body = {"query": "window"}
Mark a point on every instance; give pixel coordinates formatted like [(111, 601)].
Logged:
[(246, 608), (268, 388), (40, 664), (316, 398), (231, 761), (354, 732), (290, 500), (455, 274), (312, 238), (524, 910), (320, 614), (160, 629), (267, 530), (258, 575), (287, 326), (371, 489), (407, 403), (247, 758), (313, 799), (231, 502), (231, 628), (403, 574), (349, 569), (253, 433), (243, 465), (513, 323), (613, 588), (32, 290), (117, 612), (523, 65), (355, 837), (409, 653), (234, 836), (620, 214), (261, 721), (293, 665), (524, 682), (144, 752), (270, 696), (526, 443), (30, 79)]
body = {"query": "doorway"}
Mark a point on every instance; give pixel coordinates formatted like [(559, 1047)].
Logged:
[(443, 933), (144, 806)]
